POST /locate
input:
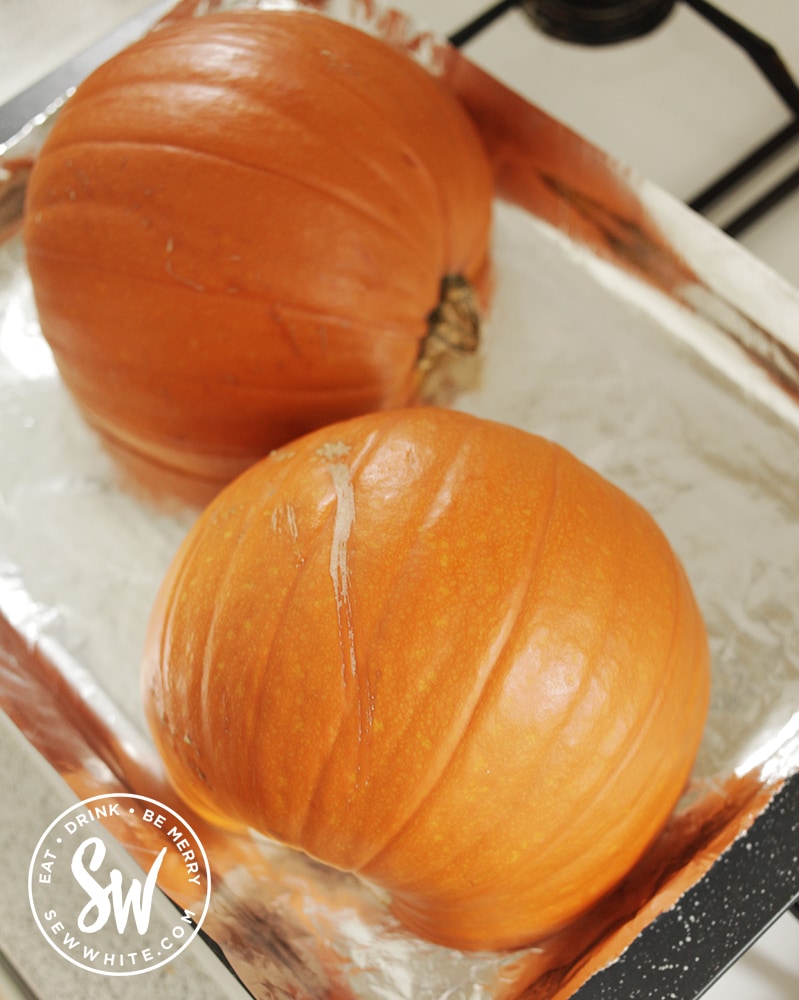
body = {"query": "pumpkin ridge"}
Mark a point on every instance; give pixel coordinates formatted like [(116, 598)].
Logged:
[(449, 473), (419, 160), (606, 782), (420, 156), (397, 328), (449, 264), (265, 692), (359, 206), (256, 101), (181, 570), (658, 694), (365, 99), (394, 329), (649, 717), (165, 640), (669, 661), (445, 477), (601, 641), (125, 445), (490, 679), (209, 653), (549, 857)]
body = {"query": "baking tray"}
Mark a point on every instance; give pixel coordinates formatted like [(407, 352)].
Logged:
[(623, 326)]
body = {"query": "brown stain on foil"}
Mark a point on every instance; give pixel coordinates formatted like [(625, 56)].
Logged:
[(14, 174), (547, 169), (544, 167)]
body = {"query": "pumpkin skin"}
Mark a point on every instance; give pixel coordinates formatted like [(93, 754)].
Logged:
[(439, 652), (238, 228)]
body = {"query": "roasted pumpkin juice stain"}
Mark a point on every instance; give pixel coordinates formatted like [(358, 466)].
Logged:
[(473, 670)]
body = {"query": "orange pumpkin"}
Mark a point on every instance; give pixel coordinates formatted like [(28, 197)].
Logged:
[(439, 652), (242, 228)]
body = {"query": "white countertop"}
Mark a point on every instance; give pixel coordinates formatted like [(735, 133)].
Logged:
[(678, 106)]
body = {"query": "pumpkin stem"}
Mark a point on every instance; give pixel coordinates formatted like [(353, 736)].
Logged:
[(453, 326)]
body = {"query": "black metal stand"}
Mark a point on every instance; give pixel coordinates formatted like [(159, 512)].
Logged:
[(768, 61), (469, 31)]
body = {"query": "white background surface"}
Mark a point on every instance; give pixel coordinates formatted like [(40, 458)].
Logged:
[(679, 106)]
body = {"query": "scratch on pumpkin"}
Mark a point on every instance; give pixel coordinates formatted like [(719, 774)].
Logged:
[(287, 514), (341, 474), (170, 269), (339, 570), (284, 519)]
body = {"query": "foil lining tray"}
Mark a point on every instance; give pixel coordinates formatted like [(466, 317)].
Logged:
[(624, 327)]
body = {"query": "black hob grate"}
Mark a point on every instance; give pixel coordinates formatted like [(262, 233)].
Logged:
[(607, 22)]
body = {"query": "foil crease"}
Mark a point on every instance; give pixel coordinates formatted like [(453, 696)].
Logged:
[(623, 327)]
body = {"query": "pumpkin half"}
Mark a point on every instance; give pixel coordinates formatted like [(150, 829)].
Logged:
[(439, 652), (250, 224)]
